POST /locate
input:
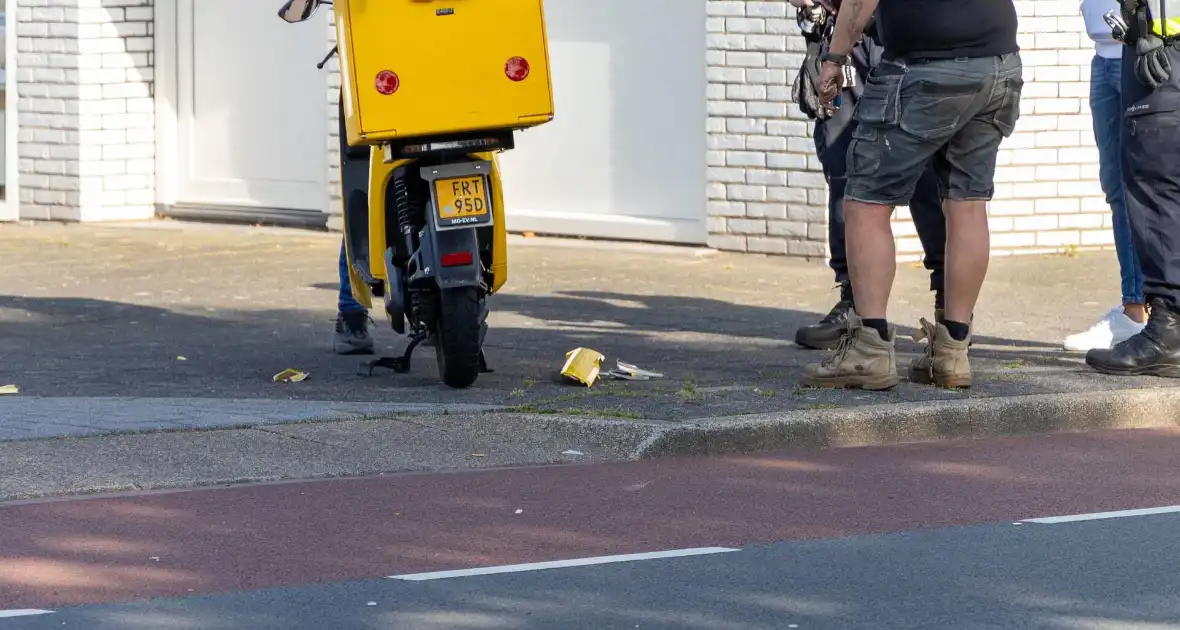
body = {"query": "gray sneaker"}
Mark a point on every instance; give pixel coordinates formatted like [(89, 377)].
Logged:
[(352, 333)]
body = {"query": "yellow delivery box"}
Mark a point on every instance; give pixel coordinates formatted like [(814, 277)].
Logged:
[(430, 68)]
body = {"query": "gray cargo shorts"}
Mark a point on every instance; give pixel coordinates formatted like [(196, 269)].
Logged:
[(954, 111)]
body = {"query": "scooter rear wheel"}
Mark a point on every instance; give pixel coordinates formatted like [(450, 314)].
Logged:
[(458, 343)]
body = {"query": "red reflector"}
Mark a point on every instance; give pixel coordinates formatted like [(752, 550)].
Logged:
[(517, 69), (386, 82), (457, 259)]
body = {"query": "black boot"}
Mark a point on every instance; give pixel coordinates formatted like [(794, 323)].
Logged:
[(1153, 352), (826, 334)]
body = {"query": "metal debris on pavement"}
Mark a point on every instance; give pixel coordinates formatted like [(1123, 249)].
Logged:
[(628, 372), (582, 365), (290, 375)]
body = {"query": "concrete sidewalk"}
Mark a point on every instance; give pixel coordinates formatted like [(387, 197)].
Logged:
[(176, 325)]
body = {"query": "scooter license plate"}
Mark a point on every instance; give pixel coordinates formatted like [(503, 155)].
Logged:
[(462, 201)]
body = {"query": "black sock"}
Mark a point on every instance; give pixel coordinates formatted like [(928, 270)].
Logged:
[(879, 325), (958, 330)]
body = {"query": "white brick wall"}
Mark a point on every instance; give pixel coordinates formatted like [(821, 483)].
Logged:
[(86, 141), (766, 192), (1047, 192), (48, 76), (335, 205)]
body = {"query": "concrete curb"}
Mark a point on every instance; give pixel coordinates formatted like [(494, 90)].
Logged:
[(386, 441), (811, 428), (170, 459), (921, 421), (34, 418)]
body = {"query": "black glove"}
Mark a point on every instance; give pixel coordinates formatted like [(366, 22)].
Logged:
[(806, 87), (1152, 67)]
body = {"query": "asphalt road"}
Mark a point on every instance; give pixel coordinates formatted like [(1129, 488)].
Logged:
[(1111, 574), (912, 536)]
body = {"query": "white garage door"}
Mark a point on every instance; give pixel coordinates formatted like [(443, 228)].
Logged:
[(251, 108), (625, 156)]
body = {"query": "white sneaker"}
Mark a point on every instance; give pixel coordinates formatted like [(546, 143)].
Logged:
[(1114, 328)]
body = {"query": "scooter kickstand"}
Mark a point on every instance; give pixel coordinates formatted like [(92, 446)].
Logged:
[(399, 365), (483, 363)]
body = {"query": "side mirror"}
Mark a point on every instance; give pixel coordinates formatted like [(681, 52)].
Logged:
[(295, 11)]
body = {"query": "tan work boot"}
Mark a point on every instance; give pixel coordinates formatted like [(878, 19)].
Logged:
[(945, 363), (863, 360), (940, 315)]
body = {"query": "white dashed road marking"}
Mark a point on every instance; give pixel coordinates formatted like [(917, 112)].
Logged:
[(24, 612), (560, 564), (1097, 516)]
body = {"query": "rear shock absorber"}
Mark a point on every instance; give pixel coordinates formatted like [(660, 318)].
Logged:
[(401, 197), (404, 205)]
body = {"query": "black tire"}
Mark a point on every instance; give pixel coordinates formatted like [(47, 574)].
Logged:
[(458, 343)]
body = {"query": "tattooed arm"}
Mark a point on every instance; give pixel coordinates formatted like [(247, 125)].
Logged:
[(851, 20)]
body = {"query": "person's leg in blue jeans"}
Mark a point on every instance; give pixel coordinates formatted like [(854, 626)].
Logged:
[(346, 303), (352, 319), (1126, 319)]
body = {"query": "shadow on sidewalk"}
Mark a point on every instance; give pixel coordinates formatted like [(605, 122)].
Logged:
[(665, 313), (719, 358)]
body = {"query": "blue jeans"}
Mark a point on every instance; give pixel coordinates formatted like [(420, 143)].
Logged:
[(346, 303), (1107, 112)]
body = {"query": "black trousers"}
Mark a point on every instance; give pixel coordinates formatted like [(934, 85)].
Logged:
[(1151, 176), (832, 138)]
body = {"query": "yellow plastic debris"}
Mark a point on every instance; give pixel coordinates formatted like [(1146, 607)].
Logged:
[(290, 375), (582, 365), (182, 358), (9, 389)]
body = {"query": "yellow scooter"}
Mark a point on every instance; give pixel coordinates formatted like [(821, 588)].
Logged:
[(431, 90)]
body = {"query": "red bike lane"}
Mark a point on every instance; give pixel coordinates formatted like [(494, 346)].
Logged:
[(119, 548)]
